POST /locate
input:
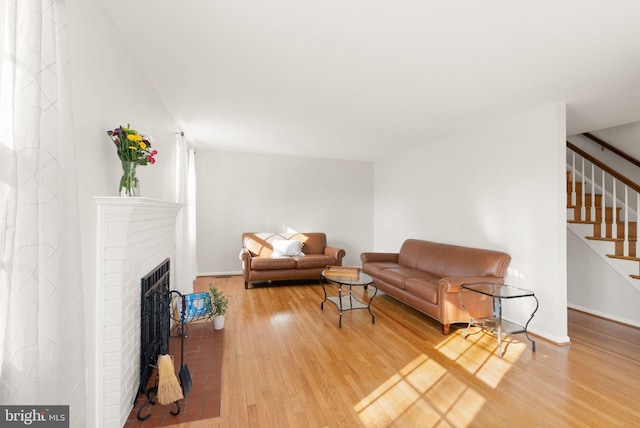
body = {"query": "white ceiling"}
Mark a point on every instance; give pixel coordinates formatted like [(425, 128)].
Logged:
[(362, 79)]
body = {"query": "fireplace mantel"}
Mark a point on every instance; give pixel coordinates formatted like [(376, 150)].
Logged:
[(133, 236), (128, 204)]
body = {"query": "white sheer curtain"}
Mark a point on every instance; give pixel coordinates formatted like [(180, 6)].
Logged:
[(186, 268), (41, 312)]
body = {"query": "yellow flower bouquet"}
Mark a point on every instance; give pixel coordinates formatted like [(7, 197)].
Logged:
[(133, 149)]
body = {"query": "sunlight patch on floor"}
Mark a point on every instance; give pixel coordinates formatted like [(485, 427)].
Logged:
[(422, 391), (280, 318), (455, 401), (478, 354)]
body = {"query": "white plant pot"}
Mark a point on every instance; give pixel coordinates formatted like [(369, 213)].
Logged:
[(218, 322)]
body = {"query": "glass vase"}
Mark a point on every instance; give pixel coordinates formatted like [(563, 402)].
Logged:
[(129, 184)]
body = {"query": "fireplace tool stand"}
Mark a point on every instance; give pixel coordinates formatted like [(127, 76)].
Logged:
[(162, 305), (192, 309)]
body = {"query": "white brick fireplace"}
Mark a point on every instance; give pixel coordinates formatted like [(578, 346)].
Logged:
[(134, 235)]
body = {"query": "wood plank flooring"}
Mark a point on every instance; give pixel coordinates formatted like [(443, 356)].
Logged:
[(287, 364)]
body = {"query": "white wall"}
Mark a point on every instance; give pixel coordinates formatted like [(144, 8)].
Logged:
[(596, 287), (110, 89), (500, 186), (241, 192)]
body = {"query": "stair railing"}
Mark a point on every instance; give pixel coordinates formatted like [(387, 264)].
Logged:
[(608, 175), (612, 149)]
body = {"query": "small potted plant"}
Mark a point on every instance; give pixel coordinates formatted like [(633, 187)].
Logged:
[(219, 303)]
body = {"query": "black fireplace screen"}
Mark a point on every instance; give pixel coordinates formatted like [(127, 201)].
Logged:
[(155, 323)]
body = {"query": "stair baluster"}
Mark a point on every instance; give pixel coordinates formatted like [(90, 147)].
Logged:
[(583, 208), (593, 193), (614, 218), (603, 224), (625, 246), (573, 180)]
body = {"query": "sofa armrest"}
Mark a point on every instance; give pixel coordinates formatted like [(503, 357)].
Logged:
[(453, 284), (379, 257), (245, 256), (336, 253)]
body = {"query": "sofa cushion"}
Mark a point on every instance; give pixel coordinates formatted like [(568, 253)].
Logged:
[(397, 276), (314, 242), (374, 268), (410, 252), (426, 289), (313, 261), (452, 260), (268, 263), (259, 244)]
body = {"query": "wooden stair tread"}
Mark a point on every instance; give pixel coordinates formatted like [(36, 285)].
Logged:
[(606, 220), (604, 238), (631, 259), (583, 221), (635, 276), (619, 223)]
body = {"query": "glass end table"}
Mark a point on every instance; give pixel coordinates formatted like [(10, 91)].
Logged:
[(495, 324)]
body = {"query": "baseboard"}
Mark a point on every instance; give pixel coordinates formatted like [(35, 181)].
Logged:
[(239, 272), (603, 315), (556, 340)]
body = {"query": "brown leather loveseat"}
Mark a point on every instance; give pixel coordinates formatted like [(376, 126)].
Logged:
[(427, 276), (262, 262)]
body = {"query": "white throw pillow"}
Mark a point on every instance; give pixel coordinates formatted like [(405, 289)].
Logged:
[(287, 248)]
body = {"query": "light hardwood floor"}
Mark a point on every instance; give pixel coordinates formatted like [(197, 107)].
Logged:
[(287, 364)]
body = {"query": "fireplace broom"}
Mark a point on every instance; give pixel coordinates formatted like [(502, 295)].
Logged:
[(169, 389)]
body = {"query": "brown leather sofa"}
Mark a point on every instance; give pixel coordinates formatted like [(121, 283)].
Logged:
[(427, 276), (259, 263)]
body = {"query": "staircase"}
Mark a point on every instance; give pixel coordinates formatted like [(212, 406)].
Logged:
[(606, 221)]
